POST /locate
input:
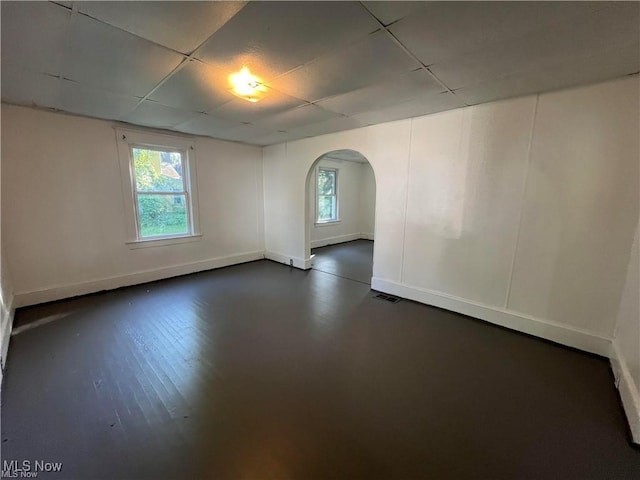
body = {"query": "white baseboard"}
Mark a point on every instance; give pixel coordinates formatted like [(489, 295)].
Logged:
[(562, 334), (323, 242), (6, 333), (629, 391), (23, 299), (9, 311), (301, 263)]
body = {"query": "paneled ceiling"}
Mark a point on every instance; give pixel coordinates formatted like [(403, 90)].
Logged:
[(327, 66)]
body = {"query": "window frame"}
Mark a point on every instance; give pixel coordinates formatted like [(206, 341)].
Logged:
[(185, 190), (127, 141), (335, 220)]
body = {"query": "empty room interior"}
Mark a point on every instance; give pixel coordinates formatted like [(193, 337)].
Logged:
[(320, 240)]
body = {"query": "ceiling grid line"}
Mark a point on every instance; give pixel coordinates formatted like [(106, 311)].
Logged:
[(178, 67), (321, 57), (67, 43), (424, 67), (75, 9), (75, 12), (327, 66)]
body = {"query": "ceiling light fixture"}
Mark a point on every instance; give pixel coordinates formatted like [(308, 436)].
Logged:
[(246, 85)]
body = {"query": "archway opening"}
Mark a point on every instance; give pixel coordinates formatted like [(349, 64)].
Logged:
[(340, 215)]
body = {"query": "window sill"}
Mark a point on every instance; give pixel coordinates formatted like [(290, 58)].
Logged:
[(328, 223), (164, 241)]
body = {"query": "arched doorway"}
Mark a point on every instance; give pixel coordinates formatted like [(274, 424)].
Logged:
[(340, 198)]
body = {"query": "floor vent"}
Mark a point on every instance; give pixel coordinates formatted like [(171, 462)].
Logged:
[(388, 298)]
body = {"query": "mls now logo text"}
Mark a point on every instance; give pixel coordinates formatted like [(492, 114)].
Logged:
[(28, 468)]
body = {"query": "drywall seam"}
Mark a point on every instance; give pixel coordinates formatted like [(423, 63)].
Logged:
[(123, 195), (259, 199), (628, 390), (264, 203), (562, 334), (406, 201), (523, 199), (58, 292)]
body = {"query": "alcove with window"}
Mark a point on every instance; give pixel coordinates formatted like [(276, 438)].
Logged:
[(341, 212)]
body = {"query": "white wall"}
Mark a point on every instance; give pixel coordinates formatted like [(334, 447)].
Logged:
[(356, 187), (367, 201), (626, 344), (64, 228), (521, 212), (285, 173)]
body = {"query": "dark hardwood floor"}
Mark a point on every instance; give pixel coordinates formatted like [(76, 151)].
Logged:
[(351, 260), (261, 371)]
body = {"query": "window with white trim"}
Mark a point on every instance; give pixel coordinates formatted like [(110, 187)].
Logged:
[(159, 185), (327, 195)]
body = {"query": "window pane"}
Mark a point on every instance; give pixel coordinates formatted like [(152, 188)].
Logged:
[(162, 215), (158, 171), (326, 208), (326, 182)]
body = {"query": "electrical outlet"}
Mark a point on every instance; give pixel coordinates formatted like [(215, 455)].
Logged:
[(291, 262)]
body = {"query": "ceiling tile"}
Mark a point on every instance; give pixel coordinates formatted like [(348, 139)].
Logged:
[(26, 87), (607, 29), (76, 98), (196, 86), (603, 65), (276, 137), (205, 124), (153, 114), (323, 52), (393, 91), (389, 12), (443, 30), (182, 26), (296, 117), (423, 105), (245, 133), (105, 57), (367, 62), (34, 35), (271, 38), (244, 111), (328, 126)]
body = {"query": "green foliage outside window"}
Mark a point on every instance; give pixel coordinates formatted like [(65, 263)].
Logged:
[(158, 175), (327, 195)]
